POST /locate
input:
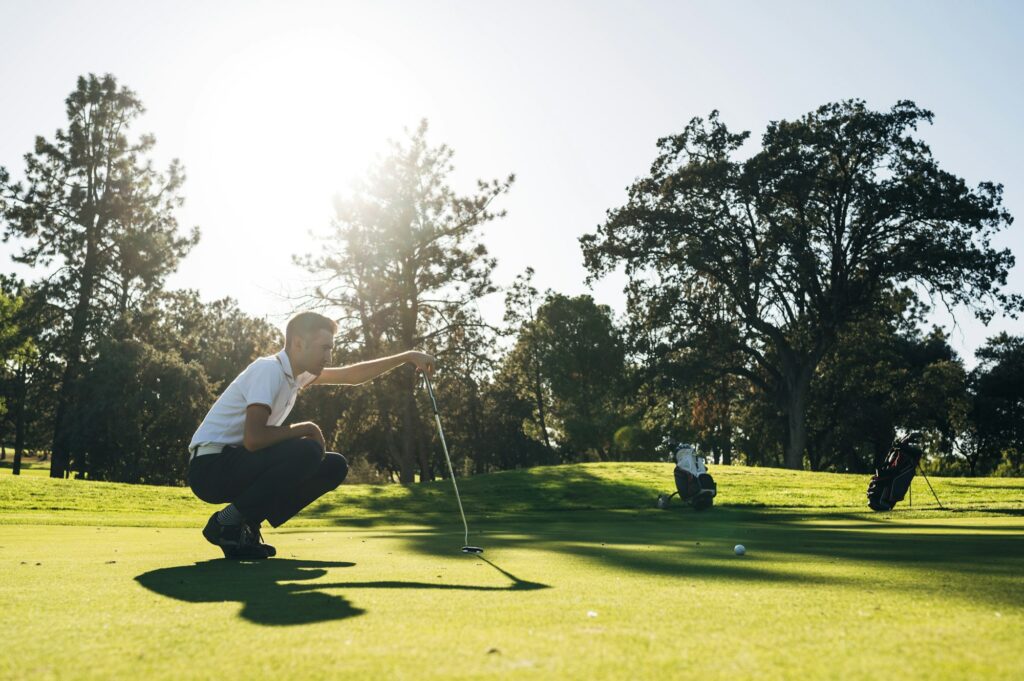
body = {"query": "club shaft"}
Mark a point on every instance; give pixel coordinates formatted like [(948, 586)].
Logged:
[(447, 457)]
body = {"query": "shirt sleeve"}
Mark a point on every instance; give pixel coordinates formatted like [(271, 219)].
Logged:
[(262, 384)]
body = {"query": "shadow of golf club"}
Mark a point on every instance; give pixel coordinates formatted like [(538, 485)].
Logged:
[(269, 596), (517, 584)]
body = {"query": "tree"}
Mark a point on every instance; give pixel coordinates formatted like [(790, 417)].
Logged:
[(688, 381), (521, 303), (467, 358), (799, 240), (884, 374), (712, 416), (10, 341), (399, 268), (998, 405), (504, 444), (217, 335), (20, 362), (92, 204), (572, 349), (10, 334), (140, 406)]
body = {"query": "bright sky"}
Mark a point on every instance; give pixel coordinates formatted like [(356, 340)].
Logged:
[(273, 107)]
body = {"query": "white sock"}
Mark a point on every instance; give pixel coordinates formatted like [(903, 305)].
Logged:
[(230, 516)]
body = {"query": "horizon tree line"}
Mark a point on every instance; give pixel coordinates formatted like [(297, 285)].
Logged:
[(776, 308)]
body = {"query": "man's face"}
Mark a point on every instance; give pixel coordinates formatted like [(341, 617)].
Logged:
[(314, 352)]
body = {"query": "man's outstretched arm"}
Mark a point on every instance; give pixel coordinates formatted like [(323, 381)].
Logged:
[(357, 374), (258, 434)]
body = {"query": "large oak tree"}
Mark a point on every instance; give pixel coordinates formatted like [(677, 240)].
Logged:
[(772, 255), (93, 209), (402, 268)]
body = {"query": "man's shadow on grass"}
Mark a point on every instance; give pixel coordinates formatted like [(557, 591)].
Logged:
[(268, 595)]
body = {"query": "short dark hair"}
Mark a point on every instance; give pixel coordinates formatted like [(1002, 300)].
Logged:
[(305, 324)]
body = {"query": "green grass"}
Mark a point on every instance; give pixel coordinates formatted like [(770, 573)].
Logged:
[(583, 579), (31, 466)]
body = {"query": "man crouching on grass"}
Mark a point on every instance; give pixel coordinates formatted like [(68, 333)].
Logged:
[(242, 455)]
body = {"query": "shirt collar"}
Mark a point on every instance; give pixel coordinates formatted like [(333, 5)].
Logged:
[(286, 364)]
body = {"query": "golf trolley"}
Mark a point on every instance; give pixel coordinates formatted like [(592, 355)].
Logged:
[(694, 484)]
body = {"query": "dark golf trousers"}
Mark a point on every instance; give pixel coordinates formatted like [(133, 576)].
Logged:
[(273, 483)]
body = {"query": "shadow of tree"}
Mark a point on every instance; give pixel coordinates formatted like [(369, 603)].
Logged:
[(589, 513), (269, 597), (525, 491), (597, 487), (786, 547)]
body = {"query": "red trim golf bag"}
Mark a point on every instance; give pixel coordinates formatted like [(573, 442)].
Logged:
[(696, 487), (696, 490), (893, 474)]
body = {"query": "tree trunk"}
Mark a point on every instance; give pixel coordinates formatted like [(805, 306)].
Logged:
[(538, 394), (476, 427), (727, 441), (408, 307), (411, 429), (796, 420), (726, 403), (19, 418), (406, 470), (61, 458), (817, 445)]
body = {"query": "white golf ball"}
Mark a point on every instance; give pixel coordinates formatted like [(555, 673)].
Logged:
[(740, 549)]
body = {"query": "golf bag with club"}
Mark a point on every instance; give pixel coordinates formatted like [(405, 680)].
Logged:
[(694, 484), (894, 473)]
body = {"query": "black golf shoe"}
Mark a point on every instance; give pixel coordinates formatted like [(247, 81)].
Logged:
[(236, 541), (247, 548), (254, 528), (212, 531)]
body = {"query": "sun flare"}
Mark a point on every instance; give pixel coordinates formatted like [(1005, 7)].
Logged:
[(298, 115)]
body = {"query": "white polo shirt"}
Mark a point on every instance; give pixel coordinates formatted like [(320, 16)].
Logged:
[(267, 381)]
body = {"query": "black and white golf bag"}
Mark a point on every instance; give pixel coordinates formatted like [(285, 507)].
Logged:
[(694, 484), (894, 473)]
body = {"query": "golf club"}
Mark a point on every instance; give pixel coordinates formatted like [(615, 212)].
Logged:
[(466, 548)]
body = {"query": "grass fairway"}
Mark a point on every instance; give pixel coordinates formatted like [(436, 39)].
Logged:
[(582, 578), (31, 466)]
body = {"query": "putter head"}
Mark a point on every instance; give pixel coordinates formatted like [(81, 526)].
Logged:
[(475, 550)]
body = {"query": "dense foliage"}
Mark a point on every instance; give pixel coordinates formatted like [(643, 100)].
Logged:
[(761, 264), (776, 314)]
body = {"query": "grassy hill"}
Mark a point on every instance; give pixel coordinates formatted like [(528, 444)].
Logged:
[(545, 489), (582, 578)]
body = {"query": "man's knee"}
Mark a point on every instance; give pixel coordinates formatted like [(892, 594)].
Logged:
[(335, 467), (308, 454)]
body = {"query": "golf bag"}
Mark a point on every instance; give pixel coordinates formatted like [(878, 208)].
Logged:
[(694, 484), (893, 474)]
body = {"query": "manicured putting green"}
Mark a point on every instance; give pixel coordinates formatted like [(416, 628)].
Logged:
[(582, 578)]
